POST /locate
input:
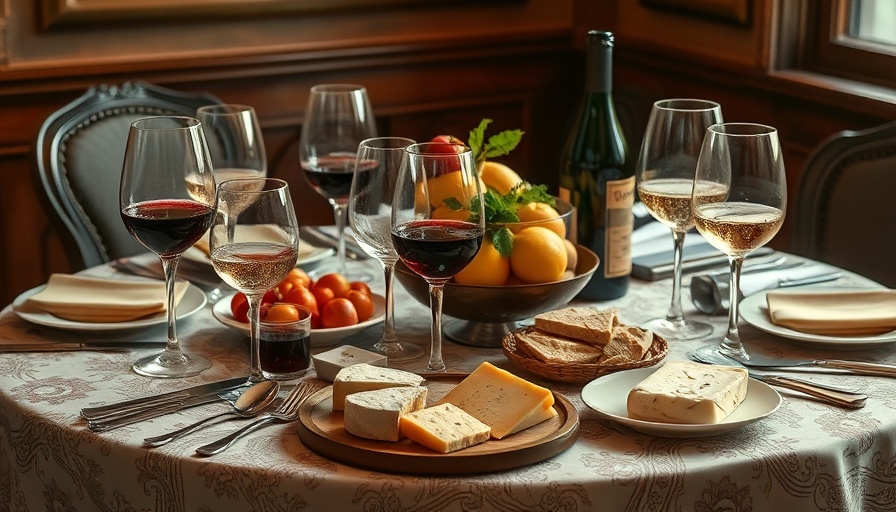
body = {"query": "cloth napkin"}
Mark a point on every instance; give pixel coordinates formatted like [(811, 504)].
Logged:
[(834, 313), (255, 233), (96, 300)]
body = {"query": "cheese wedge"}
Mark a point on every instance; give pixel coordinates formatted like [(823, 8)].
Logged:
[(444, 428), (376, 414), (686, 392), (502, 400), (365, 377)]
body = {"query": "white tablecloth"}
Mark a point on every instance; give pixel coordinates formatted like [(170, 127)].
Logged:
[(806, 456)]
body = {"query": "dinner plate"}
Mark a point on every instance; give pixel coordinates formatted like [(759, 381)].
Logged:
[(192, 301), (308, 254), (608, 395), (319, 337), (754, 311), (323, 430)]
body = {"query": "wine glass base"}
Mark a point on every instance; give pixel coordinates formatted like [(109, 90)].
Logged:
[(171, 365), (398, 352), (684, 330)]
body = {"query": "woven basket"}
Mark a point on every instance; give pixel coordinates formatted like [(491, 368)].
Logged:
[(579, 373)]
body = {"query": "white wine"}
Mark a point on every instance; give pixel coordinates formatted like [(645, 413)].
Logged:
[(737, 228), (253, 266), (669, 199)]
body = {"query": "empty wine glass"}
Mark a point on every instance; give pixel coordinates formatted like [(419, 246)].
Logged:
[(167, 199), (370, 214), (745, 160), (437, 186), (338, 117), (665, 174), (236, 146), (254, 244)]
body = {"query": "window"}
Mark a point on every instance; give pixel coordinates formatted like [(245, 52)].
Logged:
[(873, 21)]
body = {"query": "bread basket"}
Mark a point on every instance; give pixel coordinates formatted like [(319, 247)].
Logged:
[(578, 373)]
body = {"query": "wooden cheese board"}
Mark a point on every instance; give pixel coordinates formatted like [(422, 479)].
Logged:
[(322, 430)]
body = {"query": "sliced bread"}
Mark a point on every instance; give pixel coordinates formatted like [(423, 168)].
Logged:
[(556, 349), (629, 344), (590, 325)]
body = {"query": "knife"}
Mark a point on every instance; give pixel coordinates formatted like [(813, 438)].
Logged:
[(114, 346), (203, 390)]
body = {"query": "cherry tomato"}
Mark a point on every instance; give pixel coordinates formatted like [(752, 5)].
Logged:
[(338, 313), (299, 275), (239, 307), (279, 312), (322, 295), (362, 302), (361, 286), (301, 296), (269, 297), (336, 282)]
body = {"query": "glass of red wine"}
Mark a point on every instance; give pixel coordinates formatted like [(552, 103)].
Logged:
[(337, 118), (254, 244), (167, 200), (437, 221)]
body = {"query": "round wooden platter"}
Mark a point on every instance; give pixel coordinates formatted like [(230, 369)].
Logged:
[(322, 430)]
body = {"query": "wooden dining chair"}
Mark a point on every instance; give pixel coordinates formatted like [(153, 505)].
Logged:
[(78, 154), (845, 212)]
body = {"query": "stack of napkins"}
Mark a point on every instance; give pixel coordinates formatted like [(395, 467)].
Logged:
[(91, 299), (834, 313)]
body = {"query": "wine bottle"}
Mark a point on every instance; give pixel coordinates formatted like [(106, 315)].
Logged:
[(597, 176)]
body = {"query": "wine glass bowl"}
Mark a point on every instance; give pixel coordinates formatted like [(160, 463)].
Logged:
[(167, 200), (665, 180)]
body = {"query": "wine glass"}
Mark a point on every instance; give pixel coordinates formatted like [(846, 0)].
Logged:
[(338, 117), (254, 244), (370, 214), (236, 146), (437, 187), (745, 160), (665, 174), (167, 200)]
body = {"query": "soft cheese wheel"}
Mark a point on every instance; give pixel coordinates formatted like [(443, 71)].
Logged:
[(365, 377), (502, 400), (376, 414), (686, 392), (444, 428)]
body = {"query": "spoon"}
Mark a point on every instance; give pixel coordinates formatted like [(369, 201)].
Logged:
[(248, 405)]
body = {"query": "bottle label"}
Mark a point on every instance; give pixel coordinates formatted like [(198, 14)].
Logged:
[(619, 226)]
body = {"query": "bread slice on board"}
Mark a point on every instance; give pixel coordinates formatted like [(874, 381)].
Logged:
[(591, 325), (629, 343), (551, 348)]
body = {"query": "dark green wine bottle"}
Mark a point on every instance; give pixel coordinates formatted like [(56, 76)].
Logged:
[(597, 176)]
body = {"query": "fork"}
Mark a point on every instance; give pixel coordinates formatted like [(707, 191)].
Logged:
[(286, 413)]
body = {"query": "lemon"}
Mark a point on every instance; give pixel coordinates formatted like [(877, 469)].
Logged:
[(543, 215), (488, 268), (572, 255), (499, 177), (448, 186), (538, 255), (443, 212)]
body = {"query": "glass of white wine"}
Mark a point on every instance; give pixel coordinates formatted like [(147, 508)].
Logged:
[(254, 244), (665, 174), (744, 158)]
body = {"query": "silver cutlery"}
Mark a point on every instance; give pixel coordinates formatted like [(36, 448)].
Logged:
[(832, 395), (112, 346), (249, 404), (286, 413), (710, 292), (838, 365)]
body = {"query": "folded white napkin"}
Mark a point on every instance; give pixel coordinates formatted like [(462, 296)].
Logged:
[(256, 233), (834, 312), (91, 299)]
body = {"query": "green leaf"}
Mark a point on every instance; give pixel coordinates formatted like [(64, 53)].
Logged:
[(534, 194), (477, 138), (503, 143), (453, 203), (502, 239)]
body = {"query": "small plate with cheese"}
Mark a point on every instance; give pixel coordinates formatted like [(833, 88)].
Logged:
[(608, 396)]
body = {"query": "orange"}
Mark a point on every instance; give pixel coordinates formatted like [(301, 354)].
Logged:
[(499, 177), (542, 214), (338, 313), (443, 212), (301, 296), (361, 286), (239, 307), (335, 281), (297, 274), (362, 302), (488, 268), (322, 295), (538, 255), (279, 312)]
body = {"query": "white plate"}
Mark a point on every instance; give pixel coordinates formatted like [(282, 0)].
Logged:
[(192, 301), (754, 310), (308, 254), (319, 337), (607, 395)]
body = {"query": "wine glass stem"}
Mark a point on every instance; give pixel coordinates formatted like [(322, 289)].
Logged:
[(389, 336), (731, 345), (339, 217), (436, 364), (169, 268), (674, 314), (254, 300)]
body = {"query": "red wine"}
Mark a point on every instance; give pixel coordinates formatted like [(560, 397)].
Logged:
[(167, 227), (332, 176), (437, 249), (284, 354)]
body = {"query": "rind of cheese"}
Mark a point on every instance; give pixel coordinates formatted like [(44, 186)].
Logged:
[(444, 428), (376, 414), (686, 392), (365, 377), (502, 400)]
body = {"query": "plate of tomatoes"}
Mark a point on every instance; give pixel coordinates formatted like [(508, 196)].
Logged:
[(339, 308)]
